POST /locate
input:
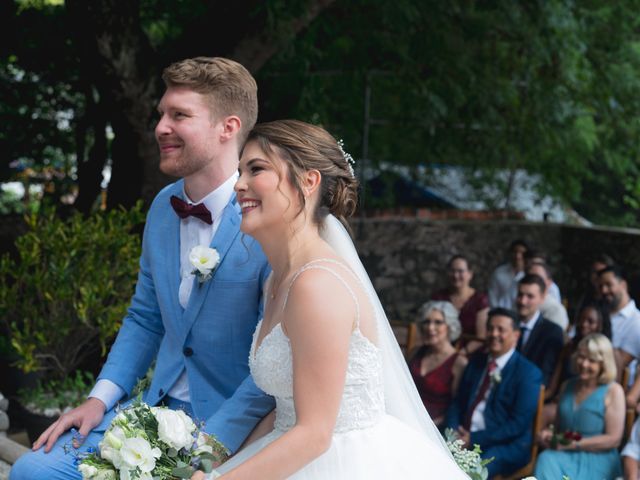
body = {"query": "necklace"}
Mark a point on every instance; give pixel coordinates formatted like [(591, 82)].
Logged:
[(275, 286)]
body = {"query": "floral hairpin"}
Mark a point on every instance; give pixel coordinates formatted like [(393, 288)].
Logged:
[(347, 158)]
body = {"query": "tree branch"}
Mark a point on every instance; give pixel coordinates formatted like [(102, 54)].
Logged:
[(257, 48)]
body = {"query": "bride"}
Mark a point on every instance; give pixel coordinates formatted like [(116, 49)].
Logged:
[(346, 404)]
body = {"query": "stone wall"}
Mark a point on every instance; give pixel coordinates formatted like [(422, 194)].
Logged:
[(406, 257)]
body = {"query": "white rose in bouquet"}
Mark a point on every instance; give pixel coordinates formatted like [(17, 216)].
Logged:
[(91, 472), (87, 471), (201, 444), (111, 444), (175, 428), (137, 453)]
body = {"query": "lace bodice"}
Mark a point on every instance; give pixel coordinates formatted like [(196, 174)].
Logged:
[(362, 401)]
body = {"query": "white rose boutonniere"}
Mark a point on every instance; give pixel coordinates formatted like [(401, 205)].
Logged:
[(496, 378), (204, 261)]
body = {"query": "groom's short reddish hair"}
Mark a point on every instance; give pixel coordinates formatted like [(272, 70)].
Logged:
[(230, 87)]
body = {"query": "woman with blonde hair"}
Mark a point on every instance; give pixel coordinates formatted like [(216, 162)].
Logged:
[(590, 418), (346, 406), (437, 367)]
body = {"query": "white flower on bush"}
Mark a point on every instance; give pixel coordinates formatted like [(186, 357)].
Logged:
[(137, 453), (175, 428), (204, 261)]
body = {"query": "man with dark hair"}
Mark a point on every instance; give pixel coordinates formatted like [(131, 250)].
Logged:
[(540, 340), (504, 279), (625, 317), (497, 398)]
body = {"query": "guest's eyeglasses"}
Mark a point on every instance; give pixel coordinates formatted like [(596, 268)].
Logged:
[(437, 323)]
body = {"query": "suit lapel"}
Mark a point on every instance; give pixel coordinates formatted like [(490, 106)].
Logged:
[(173, 248), (227, 231), (533, 336)]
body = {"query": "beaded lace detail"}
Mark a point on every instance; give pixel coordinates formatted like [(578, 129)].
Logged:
[(362, 402)]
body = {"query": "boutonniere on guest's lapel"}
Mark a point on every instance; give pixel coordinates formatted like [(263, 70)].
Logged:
[(495, 377), (204, 261)]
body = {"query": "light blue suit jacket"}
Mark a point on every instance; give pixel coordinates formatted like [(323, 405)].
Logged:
[(211, 338)]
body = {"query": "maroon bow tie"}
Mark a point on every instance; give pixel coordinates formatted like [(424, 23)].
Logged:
[(184, 210)]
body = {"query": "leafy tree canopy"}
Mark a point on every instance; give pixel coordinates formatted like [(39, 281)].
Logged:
[(551, 87)]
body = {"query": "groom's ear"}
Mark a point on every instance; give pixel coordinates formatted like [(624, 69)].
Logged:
[(231, 125), (311, 181)]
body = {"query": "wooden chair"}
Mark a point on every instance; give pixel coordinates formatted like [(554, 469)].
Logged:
[(624, 380), (629, 420), (406, 335), (527, 470)]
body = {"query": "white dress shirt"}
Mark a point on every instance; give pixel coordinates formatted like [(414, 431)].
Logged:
[(554, 311), (503, 286), (193, 232), (625, 329), (477, 418), (527, 327)]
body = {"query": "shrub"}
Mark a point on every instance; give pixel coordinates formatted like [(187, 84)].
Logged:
[(65, 294)]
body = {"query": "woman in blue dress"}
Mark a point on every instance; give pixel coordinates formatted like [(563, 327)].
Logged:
[(591, 404)]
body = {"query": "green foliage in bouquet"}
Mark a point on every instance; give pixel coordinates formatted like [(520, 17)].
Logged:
[(64, 296)]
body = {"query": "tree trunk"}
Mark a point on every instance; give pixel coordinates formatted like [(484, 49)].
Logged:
[(90, 170), (126, 64)]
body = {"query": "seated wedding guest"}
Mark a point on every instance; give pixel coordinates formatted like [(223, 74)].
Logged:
[(504, 279), (592, 291), (532, 257), (551, 308), (540, 339), (625, 317), (631, 454), (437, 367), (471, 304), (498, 397), (592, 318), (591, 406)]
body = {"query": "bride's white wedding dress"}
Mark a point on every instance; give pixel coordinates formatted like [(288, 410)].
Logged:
[(367, 442)]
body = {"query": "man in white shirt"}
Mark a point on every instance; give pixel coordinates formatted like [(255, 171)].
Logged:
[(551, 308), (625, 317), (504, 279)]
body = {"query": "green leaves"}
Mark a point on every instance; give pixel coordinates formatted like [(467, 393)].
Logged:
[(65, 295)]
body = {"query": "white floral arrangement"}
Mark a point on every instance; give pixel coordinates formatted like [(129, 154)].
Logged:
[(469, 461), (204, 261), (151, 443)]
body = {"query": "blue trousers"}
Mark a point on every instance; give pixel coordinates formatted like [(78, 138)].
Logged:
[(59, 464)]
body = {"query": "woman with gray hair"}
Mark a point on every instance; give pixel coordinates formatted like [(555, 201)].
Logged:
[(436, 366)]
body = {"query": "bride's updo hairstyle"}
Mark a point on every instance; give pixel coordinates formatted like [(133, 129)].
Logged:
[(308, 147)]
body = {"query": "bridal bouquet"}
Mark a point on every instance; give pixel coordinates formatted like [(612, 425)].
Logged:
[(150, 443), (469, 461)]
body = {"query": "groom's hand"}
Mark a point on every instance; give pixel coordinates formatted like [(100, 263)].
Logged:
[(85, 418)]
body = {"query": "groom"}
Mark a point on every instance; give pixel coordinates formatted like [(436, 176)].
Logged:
[(199, 333)]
